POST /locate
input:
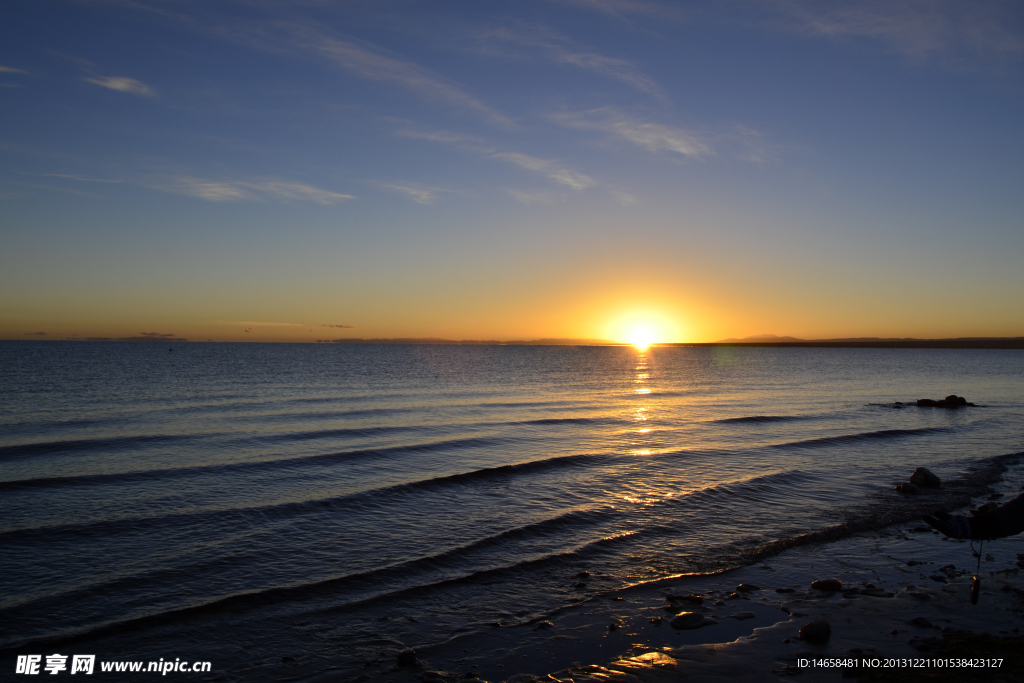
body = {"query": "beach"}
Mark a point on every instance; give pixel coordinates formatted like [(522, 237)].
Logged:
[(910, 595)]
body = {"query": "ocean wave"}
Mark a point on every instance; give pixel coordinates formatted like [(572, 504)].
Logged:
[(863, 436), (762, 418), (278, 463), (365, 499), (117, 443), (416, 573)]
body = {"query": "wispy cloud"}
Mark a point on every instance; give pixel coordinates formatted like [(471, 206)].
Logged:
[(11, 70), (533, 197), (252, 323), (561, 50), (79, 178), (623, 198), (550, 168), (239, 190), (35, 334), (654, 137), (442, 136), (374, 66), (344, 327), (917, 28), (622, 8), (121, 84), (417, 193)]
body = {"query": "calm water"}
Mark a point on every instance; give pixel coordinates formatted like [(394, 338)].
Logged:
[(300, 496)]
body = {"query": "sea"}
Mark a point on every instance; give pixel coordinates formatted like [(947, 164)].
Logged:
[(331, 505)]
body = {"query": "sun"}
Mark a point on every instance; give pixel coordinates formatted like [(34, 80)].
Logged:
[(643, 328), (641, 336)]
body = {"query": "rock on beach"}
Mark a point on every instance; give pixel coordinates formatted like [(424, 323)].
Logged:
[(816, 632), (922, 476), (687, 620), (827, 585)]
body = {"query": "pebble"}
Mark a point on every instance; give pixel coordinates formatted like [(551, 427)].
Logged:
[(656, 621), (938, 577), (740, 616), (816, 632), (687, 620), (827, 585)]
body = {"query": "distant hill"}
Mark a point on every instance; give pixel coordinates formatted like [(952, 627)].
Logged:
[(478, 342), (760, 338), (876, 342)]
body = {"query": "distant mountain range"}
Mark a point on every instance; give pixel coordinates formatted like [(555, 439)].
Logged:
[(775, 339), (874, 342), (763, 338), (487, 342)]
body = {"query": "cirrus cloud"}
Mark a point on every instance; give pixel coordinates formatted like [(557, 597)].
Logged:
[(121, 84), (240, 190)]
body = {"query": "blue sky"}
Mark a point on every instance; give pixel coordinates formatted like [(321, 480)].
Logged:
[(548, 168)]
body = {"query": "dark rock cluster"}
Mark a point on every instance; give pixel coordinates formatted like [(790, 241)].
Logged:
[(952, 402), (921, 478)]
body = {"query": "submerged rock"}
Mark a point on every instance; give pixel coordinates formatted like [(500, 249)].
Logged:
[(816, 632), (827, 585), (952, 402), (785, 590), (541, 625), (407, 658), (908, 488), (747, 588), (740, 616), (920, 622), (687, 620), (922, 476)]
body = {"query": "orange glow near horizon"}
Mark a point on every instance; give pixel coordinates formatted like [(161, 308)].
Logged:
[(644, 329)]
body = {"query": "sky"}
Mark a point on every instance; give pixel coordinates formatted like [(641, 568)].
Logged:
[(263, 170)]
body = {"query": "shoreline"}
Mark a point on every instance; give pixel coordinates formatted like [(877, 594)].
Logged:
[(919, 575)]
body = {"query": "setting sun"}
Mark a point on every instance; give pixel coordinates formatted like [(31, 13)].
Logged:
[(642, 329), (641, 337)]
